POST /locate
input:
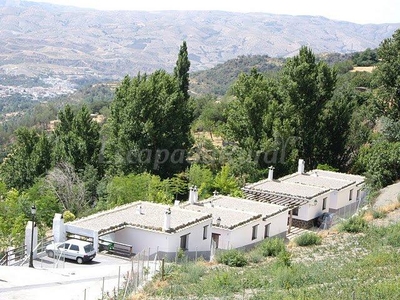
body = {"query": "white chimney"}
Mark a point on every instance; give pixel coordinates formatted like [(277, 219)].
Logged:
[(195, 195), (191, 195), (139, 209), (271, 173), (300, 169), (167, 220)]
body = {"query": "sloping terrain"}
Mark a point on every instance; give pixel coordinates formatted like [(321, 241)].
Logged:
[(47, 40)]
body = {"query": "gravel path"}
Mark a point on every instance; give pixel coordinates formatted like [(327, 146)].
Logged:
[(388, 195)]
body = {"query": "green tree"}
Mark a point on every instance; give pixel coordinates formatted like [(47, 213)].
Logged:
[(226, 184), (250, 115), (387, 77), (201, 177), (77, 138), (309, 85), (181, 70), (141, 187), (368, 57), (380, 162), (149, 126), (29, 158)]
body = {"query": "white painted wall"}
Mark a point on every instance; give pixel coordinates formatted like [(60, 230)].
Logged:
[(242, 236), (343, 197), (196, 241), (314, 209), (143, 239)]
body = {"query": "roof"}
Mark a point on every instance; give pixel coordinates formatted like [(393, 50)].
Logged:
[(234, 212), (150, 218), (317, 179), (229, 218), (273, 198), (287, 188), (297, 189), (358, 179)]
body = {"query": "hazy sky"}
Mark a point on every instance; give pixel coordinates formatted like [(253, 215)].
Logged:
[(358, 11)]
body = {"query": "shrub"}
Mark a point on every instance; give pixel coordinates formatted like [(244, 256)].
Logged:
[(68, 216), (272, 247), (285, 257), (354, 224), (378, 214), (232, 258), (308, 239)]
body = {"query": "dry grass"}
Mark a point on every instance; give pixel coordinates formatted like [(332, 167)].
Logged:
[(363, 69), (216, 140), (138, 296), (390, 207), (368, 216)]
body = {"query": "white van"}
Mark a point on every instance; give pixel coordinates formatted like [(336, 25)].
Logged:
[(77, 250)]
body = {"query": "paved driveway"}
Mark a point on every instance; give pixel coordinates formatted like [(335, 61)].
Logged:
[(65, 281)]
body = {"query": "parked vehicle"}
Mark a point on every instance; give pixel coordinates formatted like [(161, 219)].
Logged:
[(77, 250)]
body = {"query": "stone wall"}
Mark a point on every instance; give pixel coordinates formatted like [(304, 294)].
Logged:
[(303, 224)]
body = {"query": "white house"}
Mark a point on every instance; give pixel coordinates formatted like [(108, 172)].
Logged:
[(309, 195), (240, 223), (346, 190), (156, 228)]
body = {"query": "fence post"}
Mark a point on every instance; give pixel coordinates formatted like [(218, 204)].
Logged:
[(162, 269), (102, 290), (119, 278), (138, 270), (148, 264)]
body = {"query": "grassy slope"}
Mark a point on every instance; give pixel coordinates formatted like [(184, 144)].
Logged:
[(364, 265)]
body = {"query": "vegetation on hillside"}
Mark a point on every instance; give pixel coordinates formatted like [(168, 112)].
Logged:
[(145, 149), (334, 265)]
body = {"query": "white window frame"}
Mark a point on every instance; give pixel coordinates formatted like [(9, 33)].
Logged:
[(324, 202), (184, 242), (267, 229), (205, 232), (254, 232)]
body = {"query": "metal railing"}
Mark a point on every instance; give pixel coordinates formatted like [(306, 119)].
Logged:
[(13, 256), (116, 248), (19, 255)]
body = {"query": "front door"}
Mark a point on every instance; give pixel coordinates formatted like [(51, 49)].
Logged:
[(215, 239)]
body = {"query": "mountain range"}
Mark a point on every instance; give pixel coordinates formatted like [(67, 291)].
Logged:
[(71, 43)]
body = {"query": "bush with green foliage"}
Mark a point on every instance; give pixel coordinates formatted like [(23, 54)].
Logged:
[(232, 258), (68, 216), (308, 239), (354, 225), (378, 214), (272, 247)]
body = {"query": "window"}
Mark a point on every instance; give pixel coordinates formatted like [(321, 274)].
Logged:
[(351, 195), (205, 231), (184, 241), (254, 232), (89, 248), (324, 203), (295, 211), (358, 195), (266, 230), (74, 247), (64, 246)]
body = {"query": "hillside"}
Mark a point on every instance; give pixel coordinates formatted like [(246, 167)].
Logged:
[(42, 40)]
